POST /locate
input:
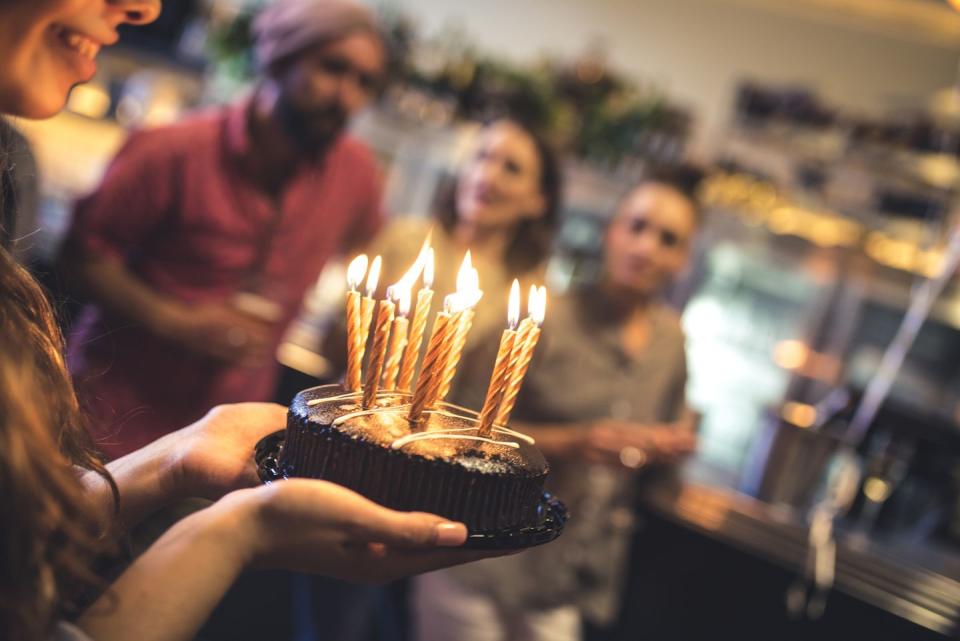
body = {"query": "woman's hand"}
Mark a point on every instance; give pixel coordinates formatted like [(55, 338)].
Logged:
[(214, 456), (304, 525), (319, 527), (622, 444), (208, 459)]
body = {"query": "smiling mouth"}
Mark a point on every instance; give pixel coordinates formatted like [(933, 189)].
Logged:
[(484, 197), (77, 42)]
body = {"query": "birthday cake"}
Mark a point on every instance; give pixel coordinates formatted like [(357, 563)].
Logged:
[(489, 483), (389, 434)]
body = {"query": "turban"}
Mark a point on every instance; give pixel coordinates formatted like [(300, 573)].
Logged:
[(285, 27)]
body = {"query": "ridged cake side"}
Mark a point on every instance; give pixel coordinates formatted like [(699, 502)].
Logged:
[(483, 490)]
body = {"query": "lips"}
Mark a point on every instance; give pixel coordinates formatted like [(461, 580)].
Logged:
[(640, 268), (77, 42), (484, 195)]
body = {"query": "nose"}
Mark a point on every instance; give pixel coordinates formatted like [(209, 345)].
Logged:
[(138, 12), (646, 242), (488, 171)]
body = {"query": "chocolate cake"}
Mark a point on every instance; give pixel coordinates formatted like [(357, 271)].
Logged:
[(442, 467)]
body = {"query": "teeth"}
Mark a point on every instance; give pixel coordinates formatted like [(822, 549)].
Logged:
[(81, 44)]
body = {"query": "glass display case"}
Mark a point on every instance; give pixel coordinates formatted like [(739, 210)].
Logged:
[(745, 313)]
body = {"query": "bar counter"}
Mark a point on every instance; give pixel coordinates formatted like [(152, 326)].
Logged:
[(721, 546)]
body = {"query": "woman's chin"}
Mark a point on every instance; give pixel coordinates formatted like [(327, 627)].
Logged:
[(488, 220), (40, 105), (45, 112)]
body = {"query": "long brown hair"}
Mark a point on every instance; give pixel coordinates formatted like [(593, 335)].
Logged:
[(50, 534)]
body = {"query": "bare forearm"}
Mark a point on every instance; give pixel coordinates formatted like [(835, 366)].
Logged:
[(169, 591), (111, 285), (148, 479)]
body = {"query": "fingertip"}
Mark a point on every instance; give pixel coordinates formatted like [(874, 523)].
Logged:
[(450, 534)]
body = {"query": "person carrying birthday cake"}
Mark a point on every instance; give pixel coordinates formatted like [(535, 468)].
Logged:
[(64, 513)]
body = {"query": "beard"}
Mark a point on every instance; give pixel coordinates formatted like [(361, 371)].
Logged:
[(312, 131)]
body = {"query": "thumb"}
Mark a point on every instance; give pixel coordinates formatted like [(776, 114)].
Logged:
[(410, 529)]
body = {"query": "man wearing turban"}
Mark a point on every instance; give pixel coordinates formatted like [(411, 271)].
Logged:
[(197, 247)]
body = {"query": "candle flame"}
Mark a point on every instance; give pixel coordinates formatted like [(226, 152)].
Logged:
[(399, 293), (411, 275), (532, 300), (424, 254), (465, 275), (403, 306), (452, 303), (423, 264), (373, 277), (468, 285), (356, 270), (474, 280), (513, 309), (428, 266), (538, 313), (461, 301), (470, 299)]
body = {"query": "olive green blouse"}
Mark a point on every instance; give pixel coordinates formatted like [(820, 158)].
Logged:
[(581, 373)]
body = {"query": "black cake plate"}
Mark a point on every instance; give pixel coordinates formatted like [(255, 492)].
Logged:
[(553, 513)]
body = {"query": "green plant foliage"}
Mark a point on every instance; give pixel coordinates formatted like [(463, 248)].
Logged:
[(583, 106)]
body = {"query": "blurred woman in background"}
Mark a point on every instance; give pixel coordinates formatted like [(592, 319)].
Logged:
[(503, 207)]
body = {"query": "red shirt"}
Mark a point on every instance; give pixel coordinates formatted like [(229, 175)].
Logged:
[(175, 207)]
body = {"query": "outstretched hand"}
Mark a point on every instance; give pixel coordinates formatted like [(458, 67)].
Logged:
[(320, 527), (607, 442), (214, 456), (299, 524)]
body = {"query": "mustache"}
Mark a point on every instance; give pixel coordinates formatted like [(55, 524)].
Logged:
[(314, 127), (334, 114)]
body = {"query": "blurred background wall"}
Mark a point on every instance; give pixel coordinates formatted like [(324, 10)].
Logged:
[(870, 56)]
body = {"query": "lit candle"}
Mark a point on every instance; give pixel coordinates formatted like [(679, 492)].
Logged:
[(469, 293), (378, 351), (498, 380), (355, 273), (398, 335), (536, 309), (367, 303), (524, 330), (439, 346), (408, 363), (463, 321)]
